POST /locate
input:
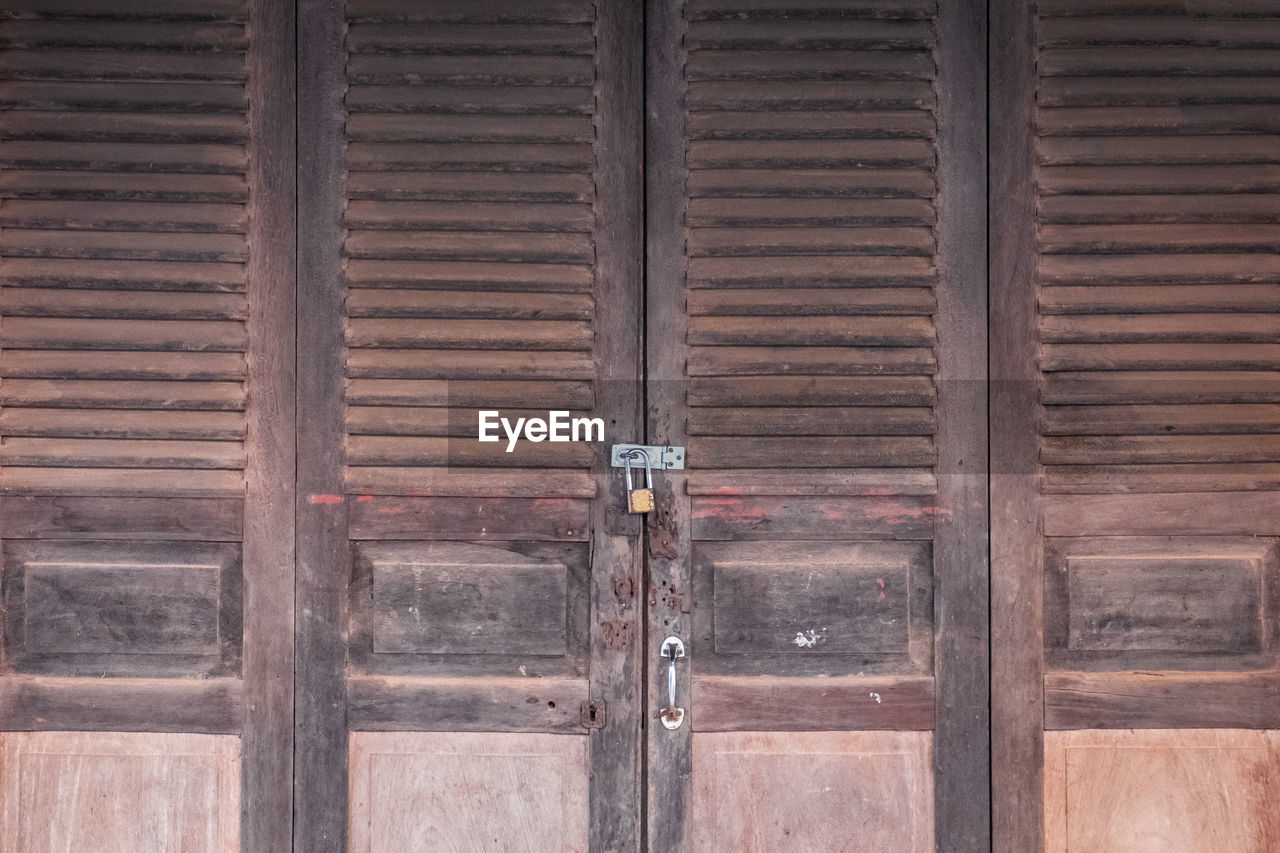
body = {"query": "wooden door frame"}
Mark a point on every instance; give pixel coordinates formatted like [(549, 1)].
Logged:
[(323, 553), (962, 732), (1017, 676)]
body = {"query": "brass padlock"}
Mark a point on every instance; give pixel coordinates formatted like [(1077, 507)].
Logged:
[(640, 500)]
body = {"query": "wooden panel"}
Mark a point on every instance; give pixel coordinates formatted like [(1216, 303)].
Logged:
[(524, 703), (1164, 791), (756, 791), (727, 703), (1166, 603), (470, 609), (818, 609), (457, 518), (526, 792), (214, 520), (1161, 700), (143, 792), (122, 608)]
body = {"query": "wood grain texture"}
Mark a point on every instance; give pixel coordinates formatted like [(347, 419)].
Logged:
[(320, 732), (59, 703), (757, 791), (117, 791), (1167, 791), (1016, 573), (1160, 700), (526, 792), (838, 703)]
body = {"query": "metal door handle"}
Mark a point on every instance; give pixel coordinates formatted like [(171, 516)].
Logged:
[(671, 651)]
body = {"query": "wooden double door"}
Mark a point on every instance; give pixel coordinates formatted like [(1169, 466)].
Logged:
[(264, 263)]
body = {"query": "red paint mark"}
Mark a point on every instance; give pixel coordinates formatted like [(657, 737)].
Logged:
[(881, 582), (364, 498), (729, 509), (325, 499)]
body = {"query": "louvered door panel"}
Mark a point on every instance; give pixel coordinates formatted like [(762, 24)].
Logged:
[(811, 176), (469, 252), (125, 158)]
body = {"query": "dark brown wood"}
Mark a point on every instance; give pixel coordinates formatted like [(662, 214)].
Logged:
[(460, 705), (617, 645), (961, 599), (1161, 700), (122, 608), (1017, 749), (197, 519), (842, 703), (667, 591), (320, 716), (548, 519), (44, 703), (267, 744), (806, 517)]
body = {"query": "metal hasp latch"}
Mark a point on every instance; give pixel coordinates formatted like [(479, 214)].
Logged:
[(661, 457), (671, 651)]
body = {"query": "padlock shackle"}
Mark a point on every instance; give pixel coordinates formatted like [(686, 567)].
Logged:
[(648, 467)]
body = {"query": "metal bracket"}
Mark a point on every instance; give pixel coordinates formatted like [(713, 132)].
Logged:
[(661, 457)]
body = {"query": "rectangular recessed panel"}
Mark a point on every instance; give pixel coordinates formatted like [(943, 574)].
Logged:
[(122, 607), (813, 598), (1164, 603), (1175, 791), (812, 791), (114, 608), (144, 793), (450, 597), (468, 791)]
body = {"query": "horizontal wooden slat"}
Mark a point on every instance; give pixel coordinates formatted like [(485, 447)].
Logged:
[(503, 157), (1160, 239), (811, 481), (118, 453), (433, 275), (398, 69), (426, 452), (1118, 449), (402, 127), (1152, 387), (766, 517), (194, 519), (462, 304), (121, 481), (1171, 356), (1227, 514), (1093, 299), (457, 482), (820, 303), (475, 11), (805, 34), (122, 245), (123, 275), (772, 242), (498, 39), (810, 183), (1160, 477), (812, 331), (1159, 420), (470, 334), (870, 420), (811, 271), (89, 423), (844, 703), (97, 364), (829, 123), (468, 364), (447, 100), (1140, 180), (125, 216), (89, 394), (815, 360), (98, 126), (462, 519), (575, 396), (1162, 700), (147, 335), (809, 153), (127, 305), (538, 247), (808, 65), (469, 216), (813, 391), (866, 451), (470, 186), (458, 704), (35, 703)]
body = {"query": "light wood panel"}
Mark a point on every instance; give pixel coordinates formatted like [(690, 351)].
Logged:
[(474, 792), (1173, 791), (144, 793), (813, 791)]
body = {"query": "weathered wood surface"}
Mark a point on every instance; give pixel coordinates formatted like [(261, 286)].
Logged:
[(115, 791), (1124, 791), (526, 792), (774, 791)]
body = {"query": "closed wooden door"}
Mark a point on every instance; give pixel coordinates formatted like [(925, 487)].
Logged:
[(753, 231), (1134, 315), (146, 469)]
